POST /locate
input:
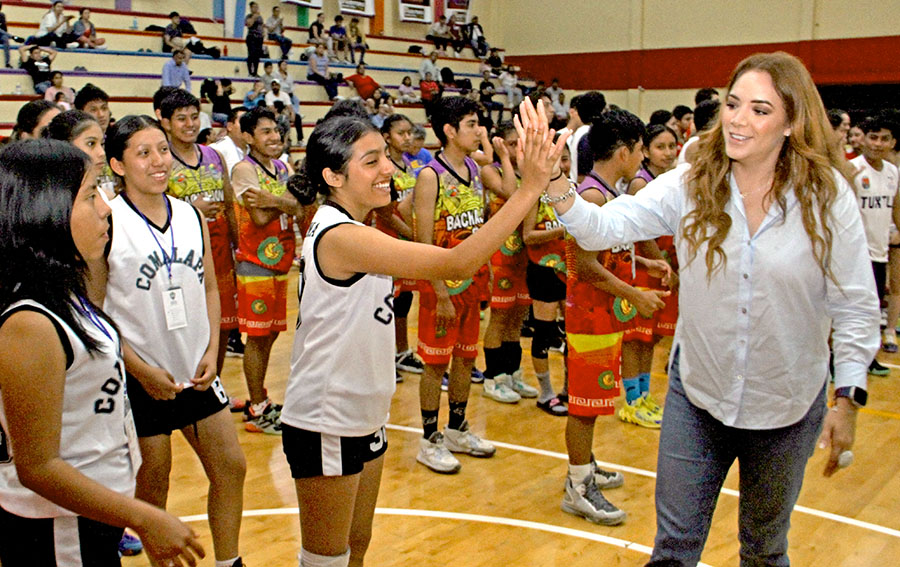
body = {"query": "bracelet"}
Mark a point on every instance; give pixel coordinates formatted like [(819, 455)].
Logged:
[(558, 175), (547, 199)]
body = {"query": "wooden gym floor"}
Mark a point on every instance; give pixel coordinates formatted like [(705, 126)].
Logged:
[(505, 510)]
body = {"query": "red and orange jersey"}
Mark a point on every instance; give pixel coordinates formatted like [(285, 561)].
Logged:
[(270, 246)]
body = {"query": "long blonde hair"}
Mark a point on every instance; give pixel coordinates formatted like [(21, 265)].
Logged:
[(804, 165)]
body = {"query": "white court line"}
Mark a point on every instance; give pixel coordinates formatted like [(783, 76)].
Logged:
[(512, 522), (889, 365), (650, 474)]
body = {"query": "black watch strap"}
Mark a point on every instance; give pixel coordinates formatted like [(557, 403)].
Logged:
[(857, 396)]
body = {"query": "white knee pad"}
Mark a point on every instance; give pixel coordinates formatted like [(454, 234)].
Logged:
[(308, 559)]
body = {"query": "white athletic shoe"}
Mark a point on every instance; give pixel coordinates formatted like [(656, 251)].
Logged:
[(606, 479), (520, 387), (464, 441), (498, 389), (586, 500), (434, 455)]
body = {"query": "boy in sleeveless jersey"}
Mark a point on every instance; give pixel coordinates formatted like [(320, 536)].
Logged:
[(600, 304), (265, 216), (199, 177), (448, 206)]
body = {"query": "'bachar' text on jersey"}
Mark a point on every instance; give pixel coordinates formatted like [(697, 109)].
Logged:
[(466, 219)]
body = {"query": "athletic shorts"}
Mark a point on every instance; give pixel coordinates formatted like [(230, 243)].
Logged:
[(223, 261), (594, 363), (262, 300), (162, 417), (311, 454), (68, 541), (402, 285), (880, 271), (544, 284), (402, 303), (438, 344), (509, 288)]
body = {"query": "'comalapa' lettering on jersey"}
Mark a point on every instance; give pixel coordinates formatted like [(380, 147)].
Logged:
[(150, 269), (622, 248), (386, 315), (466, 219), (876, 202)]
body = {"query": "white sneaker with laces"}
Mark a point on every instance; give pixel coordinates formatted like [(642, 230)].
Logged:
[(586, 500), (520, 387), (606, 479), (434, 455), (498, 389), (464, 441)]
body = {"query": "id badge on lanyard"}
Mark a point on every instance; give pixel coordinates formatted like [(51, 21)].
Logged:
[(174, 308)]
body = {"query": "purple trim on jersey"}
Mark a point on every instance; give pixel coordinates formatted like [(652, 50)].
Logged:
[(437, 165), (645, 174), (593, 181), (210, 155)]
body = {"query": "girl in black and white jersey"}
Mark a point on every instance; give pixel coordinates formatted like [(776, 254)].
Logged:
[(67, 464)]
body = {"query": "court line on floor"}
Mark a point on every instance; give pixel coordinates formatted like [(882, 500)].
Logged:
[(650, 474), (442, 515)]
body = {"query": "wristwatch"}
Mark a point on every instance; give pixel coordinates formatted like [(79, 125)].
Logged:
[(855, 394)]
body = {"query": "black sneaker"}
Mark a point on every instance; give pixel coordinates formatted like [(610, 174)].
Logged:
[(878, 369), (234, 348), (407, 361)]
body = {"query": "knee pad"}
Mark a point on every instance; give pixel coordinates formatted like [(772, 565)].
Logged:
[(544, 333), (309, 559), (402, 303)]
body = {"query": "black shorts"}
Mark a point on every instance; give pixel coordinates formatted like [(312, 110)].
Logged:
[(310, 453), (880, 271), (65, 541), (402, 303), (162, 417), (543, 284)]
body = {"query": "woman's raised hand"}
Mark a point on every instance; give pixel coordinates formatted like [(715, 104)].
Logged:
[(537, 155)]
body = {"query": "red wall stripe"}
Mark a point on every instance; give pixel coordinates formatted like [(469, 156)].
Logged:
[(833, 61)]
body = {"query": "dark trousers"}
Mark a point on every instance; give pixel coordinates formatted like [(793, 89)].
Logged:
[(284, 42), (254, 53), (329, 84)]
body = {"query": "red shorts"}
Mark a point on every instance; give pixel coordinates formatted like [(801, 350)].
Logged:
[(662, 323), (262, 304), (595, 376), (437, 345), (402, 284), (510, 287), (223, 262)]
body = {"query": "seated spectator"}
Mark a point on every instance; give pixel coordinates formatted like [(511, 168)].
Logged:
[(439, 34), (371, 107), (554, 90), (458, 38), (560, 111), (430, 92), (317, 32), (509, 80), (60, 101), (385, 109), (475, 34), (5, 36), (256, 95), (86, 32), (486, 93), (33, 118), (268, 75), (37, 61), (362, 83), (180, 34), (417, 157), (175, 71), (287, 84), (337, 40), (55, 27), (317, 70), (275, 94), (275, 31), (56, 82), (429, 65), (94, 100), (407, 92), (381, 94), (357, 39), (218, 92), (495, 61)]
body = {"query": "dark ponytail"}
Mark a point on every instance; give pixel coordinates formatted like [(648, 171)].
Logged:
[(329, 146)]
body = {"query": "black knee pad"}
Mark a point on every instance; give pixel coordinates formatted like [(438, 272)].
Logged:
[(544, 336), (402, 303)]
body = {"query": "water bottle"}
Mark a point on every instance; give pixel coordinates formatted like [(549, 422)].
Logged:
[(225, 50), (18, 88), (134, 24)]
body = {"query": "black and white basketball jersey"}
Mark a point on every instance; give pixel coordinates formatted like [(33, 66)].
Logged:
[(141, 257), (92, 437), (342, 365)]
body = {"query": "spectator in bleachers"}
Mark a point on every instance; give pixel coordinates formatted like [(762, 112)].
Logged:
[(256, 95), (317, 32), (275, 31), (232, 146), (418, 157), (85, 31), (56, 82), (475, 34), (430, 91), (255, 26), (277, 94), (175, 71), (495, 62), (458, 38), (287, 84), (37, 61), (317, 70), (94, 100), (407, 92), (554, 90), (60, 101), (486, 91), (363, 84), (55, 27), (5, 36), (439, 34), (218, 92), (180, 34), (429, 65), (560, 112), (33, 117), (337, 40), (509, 80), (268, 75), (357, 40), (385, 109)]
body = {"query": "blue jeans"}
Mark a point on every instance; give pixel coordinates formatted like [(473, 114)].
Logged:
[(41, 88), (4, 40), (284, 42), (695, 453)]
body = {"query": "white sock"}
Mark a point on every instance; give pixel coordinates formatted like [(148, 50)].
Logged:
[(227, 562), (546, 387), (309, 559), (577, 473)]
